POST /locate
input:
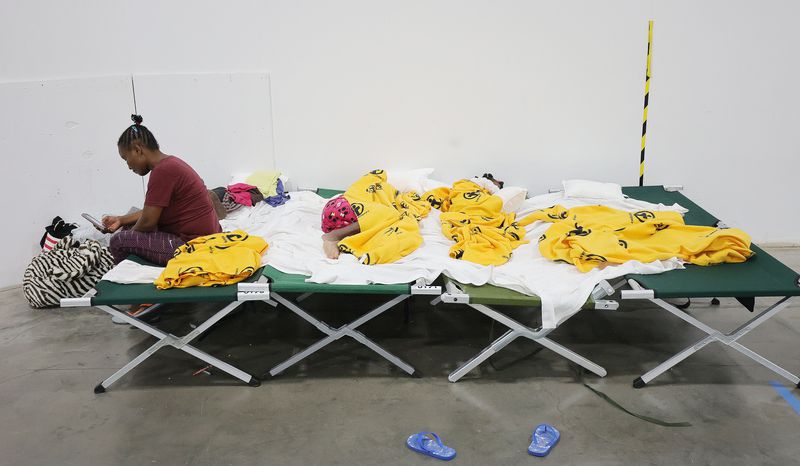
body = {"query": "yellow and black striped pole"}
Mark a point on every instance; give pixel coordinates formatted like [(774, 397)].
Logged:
[(646, 98)]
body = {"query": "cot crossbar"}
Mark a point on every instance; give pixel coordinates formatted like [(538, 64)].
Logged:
[(729, 339), (181, 343), (516, 330), (333, 334)]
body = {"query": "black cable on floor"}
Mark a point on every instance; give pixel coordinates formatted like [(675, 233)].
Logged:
[(613, 403)]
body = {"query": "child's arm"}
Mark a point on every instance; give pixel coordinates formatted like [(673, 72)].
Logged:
[(330, 240), (342, 233)]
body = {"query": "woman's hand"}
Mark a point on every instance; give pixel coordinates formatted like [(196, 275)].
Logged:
[(331, 249), (112, 223)]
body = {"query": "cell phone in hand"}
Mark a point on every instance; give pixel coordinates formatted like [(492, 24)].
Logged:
[(97, 223)]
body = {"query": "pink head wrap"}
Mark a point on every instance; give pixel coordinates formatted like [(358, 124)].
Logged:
[(336, 214)]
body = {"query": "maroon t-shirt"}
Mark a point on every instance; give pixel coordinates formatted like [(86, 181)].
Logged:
[(187, 210)]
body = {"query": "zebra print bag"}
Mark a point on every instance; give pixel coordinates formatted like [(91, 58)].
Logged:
[(66, 271)]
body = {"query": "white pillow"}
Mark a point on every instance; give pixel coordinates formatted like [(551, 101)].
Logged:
[(408, 180), (237, 178), (429, 184), (512, 197), (592, 190)]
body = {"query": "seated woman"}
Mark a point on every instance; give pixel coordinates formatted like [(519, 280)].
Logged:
[(177, 207)]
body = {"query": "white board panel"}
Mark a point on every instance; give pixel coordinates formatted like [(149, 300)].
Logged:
[(60, 157), (218, 123)]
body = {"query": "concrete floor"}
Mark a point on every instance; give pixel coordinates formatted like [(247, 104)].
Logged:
[(346, 405)]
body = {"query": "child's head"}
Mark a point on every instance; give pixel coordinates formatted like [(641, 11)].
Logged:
[(134, 143), (337, 213)]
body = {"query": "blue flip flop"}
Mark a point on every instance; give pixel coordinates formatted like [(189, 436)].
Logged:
[(430, 444), (544, 438)]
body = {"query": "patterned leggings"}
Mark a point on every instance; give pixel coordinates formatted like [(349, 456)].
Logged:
[(157, 247)]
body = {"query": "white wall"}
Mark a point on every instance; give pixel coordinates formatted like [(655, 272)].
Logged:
[(53, 161), (219, 123), (533, 91), (723, 109), (528, 91)]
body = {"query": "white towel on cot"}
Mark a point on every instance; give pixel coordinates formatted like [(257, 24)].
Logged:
[(129, 272)]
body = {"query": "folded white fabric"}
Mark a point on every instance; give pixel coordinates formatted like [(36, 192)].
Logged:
[(128, 272), (592, 190), (512, 197)]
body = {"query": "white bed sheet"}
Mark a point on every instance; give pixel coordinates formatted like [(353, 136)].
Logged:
[(295, 246)]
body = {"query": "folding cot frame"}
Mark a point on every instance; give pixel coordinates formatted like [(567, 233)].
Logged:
[(489, 295), (282, 283), (726, 280), (729, 338), (482, 298), (760, 276), (267, 282), (107, 296)]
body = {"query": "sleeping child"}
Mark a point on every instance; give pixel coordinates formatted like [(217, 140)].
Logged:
[(373, 221)]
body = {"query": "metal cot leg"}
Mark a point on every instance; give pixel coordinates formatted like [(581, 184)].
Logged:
[(334, 334), (729, 339), (519, 330), (179, 343)]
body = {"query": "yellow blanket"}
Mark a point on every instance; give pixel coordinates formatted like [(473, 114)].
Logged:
[(387, 219), (593, 236), (474, 219), (219, 259)]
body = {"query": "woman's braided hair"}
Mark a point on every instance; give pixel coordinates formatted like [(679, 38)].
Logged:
[(137, 132)]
